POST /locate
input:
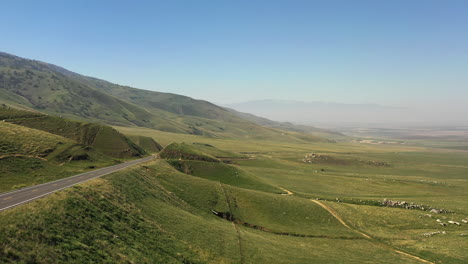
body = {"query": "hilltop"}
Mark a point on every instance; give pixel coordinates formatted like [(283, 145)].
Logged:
[(50, 89)]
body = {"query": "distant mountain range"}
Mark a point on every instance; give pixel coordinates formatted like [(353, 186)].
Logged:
[(340, 115), (288, 126), (35, 85), (326, 113)]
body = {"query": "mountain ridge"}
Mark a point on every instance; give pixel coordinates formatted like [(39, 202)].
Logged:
[(325, 113), (55, 90)]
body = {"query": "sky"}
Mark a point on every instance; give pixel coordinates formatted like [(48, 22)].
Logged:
[(398, 53)]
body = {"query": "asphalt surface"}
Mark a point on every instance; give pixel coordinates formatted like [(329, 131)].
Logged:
[(21, 196)]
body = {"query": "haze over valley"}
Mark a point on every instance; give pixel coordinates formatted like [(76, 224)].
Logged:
[(332, 114)]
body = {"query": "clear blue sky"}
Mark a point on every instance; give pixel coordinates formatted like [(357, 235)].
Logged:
[(386, 52)]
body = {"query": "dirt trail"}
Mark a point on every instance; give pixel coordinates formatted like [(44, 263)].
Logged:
[(239, 240), (287, 192), (335, 214), (95, 136), (21, 155)]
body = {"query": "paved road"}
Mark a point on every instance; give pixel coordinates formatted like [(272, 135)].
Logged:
[(14, 198)]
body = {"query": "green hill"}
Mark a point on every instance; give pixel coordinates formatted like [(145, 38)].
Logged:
[(183, 151), (167, 217), (146, 143), (37, 148), (19, 140), (30, 156), (216, 152), (40, 86), (103, 138), (223, 173)]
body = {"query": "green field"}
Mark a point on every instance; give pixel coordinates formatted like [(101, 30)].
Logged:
[(237, 201)]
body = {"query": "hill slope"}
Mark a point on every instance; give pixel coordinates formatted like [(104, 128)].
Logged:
[(134, 216), (54, 90), (146, 143), (103, 138), (37, 148)]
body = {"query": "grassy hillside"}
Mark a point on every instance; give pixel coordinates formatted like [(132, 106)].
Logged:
[(146, 143), (135, 217), (103, 138), (361, 175), (37, 148), (30, 156), (19, 140), (50, 89), (240, 213), (186, 152), (398, 226), (223, 173), (216, 152)]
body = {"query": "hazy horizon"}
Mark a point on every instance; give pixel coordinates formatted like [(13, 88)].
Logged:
[(334, 114)]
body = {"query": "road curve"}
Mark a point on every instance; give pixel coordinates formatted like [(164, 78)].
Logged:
[(21, 196)]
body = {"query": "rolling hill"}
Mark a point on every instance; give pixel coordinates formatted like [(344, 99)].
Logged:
[(44, 87), (192, 211), (103, 138), (37, 148)]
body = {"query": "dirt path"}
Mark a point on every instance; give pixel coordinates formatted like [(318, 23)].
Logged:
[(239, 242), (95, 136), (335, 214), (287, 192), (228, 204), (338, 217), (21, 155)]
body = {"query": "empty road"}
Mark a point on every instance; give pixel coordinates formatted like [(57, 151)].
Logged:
[(14, 198)]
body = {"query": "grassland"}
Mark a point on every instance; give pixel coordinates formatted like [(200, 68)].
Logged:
[(414, 230), (234, 208), (421, 175), (165, 216)]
